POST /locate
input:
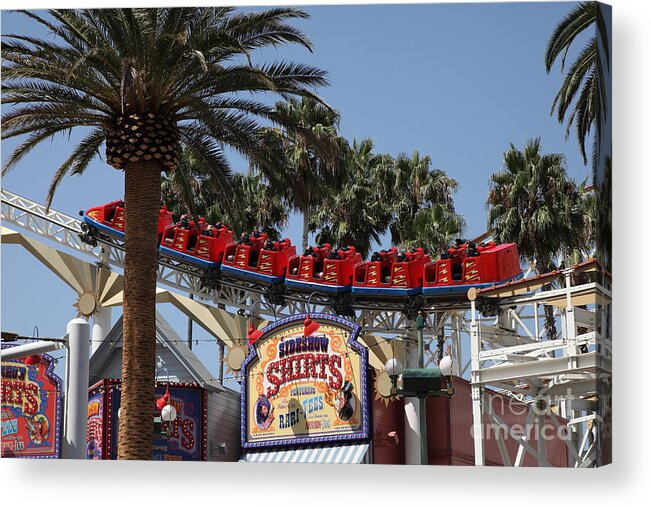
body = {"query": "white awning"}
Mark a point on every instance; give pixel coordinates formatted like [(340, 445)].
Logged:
[(344, 454)]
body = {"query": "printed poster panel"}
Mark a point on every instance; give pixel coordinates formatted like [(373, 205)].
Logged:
[(95, 428), (305, 389), (30, 409), (186, 434)]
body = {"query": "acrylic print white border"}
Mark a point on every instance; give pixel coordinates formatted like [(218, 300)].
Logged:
[(79, 483)]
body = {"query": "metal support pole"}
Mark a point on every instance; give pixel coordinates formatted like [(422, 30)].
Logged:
[(29, 349), (422, 401), (422, 416), (541, 444), (76, 402), (475, 348), (570, 324), (102, 316)]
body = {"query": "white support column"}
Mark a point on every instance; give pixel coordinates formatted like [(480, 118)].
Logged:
[(101, 326), (456, 345), (76, 401), (570, 325), (102, 315), (541, 443), (475, 347), (412, 412)]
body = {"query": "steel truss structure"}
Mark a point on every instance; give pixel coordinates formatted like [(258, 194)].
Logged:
[(565, 380), (497, 339)]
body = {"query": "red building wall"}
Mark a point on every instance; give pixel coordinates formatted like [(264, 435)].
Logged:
[(387, 418), (449, 430)]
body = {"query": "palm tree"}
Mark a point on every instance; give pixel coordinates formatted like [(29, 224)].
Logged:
[(604, 215), (256, 206), (413, 188), (435, 228), (242, 201), (311, 148), (586, 72), (353, 213), (143, 82), (534, 204)]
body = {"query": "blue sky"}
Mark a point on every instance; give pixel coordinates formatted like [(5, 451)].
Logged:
[(458, 82)]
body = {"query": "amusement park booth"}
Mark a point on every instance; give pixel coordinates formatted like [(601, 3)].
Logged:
[(305, 395), (31, 408), (207, 425), (309, 396)]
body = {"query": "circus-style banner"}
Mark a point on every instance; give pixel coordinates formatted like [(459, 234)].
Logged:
[(184, 439), (301, 389), (30, 409)]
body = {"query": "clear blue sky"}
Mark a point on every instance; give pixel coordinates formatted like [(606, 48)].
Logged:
[(456, 82)]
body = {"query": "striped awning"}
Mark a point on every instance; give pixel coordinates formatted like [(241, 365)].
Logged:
[(344, 454)]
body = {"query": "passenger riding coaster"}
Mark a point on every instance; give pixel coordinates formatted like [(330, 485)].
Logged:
[(410, 276)]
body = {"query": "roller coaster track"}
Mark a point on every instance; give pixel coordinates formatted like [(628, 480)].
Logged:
[(390, 316)]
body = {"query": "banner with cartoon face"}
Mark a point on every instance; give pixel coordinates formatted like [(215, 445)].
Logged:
[(301, 389), (31, 409)]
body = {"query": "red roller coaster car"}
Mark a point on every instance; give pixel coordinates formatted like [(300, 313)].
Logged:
[(202, 243), (109, 219), (258, 258), (323, 268), (391, 273), (467, 265)]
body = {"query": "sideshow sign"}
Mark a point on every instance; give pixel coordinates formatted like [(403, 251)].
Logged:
[(30, 409), (301, 389), (184, 439)]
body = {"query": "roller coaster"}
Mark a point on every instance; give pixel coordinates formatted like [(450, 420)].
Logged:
[(342, 273), (495, 335)]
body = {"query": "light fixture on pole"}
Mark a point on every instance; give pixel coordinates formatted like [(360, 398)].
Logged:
[(309, 326), (33, 360), (445, 365), (421, 383), (164, 403), (393, 367), (168, 413), (253, 334), (163, 400)]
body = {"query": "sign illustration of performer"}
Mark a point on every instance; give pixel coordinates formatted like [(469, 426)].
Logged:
[(344, 403), (264, 412), (38, 429)]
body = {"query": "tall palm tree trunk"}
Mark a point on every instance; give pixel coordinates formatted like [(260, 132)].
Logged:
[(142, 204)]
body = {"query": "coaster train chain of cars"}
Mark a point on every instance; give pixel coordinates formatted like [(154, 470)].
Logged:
[(341, 274)]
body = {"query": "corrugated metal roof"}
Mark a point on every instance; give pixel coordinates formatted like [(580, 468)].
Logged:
[(344, 454)]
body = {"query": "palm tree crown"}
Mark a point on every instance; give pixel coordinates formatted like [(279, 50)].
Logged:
[(145, 82), (311, 149), (533, 203), (168, 75), (419, 195), (586, 71), (353, 213)]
